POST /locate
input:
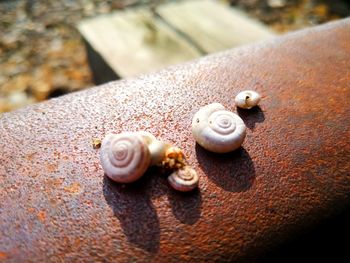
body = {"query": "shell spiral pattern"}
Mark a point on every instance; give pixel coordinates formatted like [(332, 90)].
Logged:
[(184, 179), (222, 122), (217, 129), (124, 157)]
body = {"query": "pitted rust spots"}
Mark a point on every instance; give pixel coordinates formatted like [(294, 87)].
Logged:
[(41, 216), (3, 255), (74, 188), (292, 167), (51, 167), (31, 156)]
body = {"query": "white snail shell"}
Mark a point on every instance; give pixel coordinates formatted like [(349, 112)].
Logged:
[(247, 99), (124, 157), (157, 148), (184, 179), (217, 129)]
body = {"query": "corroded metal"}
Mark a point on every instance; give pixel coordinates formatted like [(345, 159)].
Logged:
[(56, 204)]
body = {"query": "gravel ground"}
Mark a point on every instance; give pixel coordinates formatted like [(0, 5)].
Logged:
[(42, 54), (289, 15)]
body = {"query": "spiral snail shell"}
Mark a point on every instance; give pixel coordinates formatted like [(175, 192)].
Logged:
[(247, 99), (217, 129), (184, 179), (124, 157)]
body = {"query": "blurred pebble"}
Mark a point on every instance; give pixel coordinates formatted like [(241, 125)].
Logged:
[(276, 3), (17, 99)]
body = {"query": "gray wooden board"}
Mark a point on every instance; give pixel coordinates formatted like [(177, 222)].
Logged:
[(136, 41), (213, 26)]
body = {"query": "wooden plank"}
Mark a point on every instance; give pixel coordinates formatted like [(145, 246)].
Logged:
[(212, 25), (134, 42)]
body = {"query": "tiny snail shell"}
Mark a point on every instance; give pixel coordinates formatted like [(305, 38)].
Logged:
[(217, 129), (124, 157), (157, 148), (184, 179), (247, 99)]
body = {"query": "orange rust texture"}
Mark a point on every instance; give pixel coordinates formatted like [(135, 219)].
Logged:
[(293, 168)]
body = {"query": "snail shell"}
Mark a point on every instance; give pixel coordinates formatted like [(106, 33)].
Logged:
[(157, 148), (247, 99), (124, 157), (184, 179), (217, 129)]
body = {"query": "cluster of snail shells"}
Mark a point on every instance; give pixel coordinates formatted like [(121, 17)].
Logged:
[(217, 129), (125, 157)]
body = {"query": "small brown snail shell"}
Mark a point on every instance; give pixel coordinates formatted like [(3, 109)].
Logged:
[(247, 99), (174, 158), (184, 179), (124, 157), (217, 129)]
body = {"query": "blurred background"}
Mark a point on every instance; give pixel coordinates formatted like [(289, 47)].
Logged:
[(44, 54)]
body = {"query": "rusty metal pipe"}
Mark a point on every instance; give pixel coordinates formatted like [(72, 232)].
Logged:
[(293, 168)]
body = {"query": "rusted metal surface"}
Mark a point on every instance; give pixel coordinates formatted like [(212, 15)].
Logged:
[(293, 169)]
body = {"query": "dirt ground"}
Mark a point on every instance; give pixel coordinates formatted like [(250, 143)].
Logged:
[(42, 54)]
